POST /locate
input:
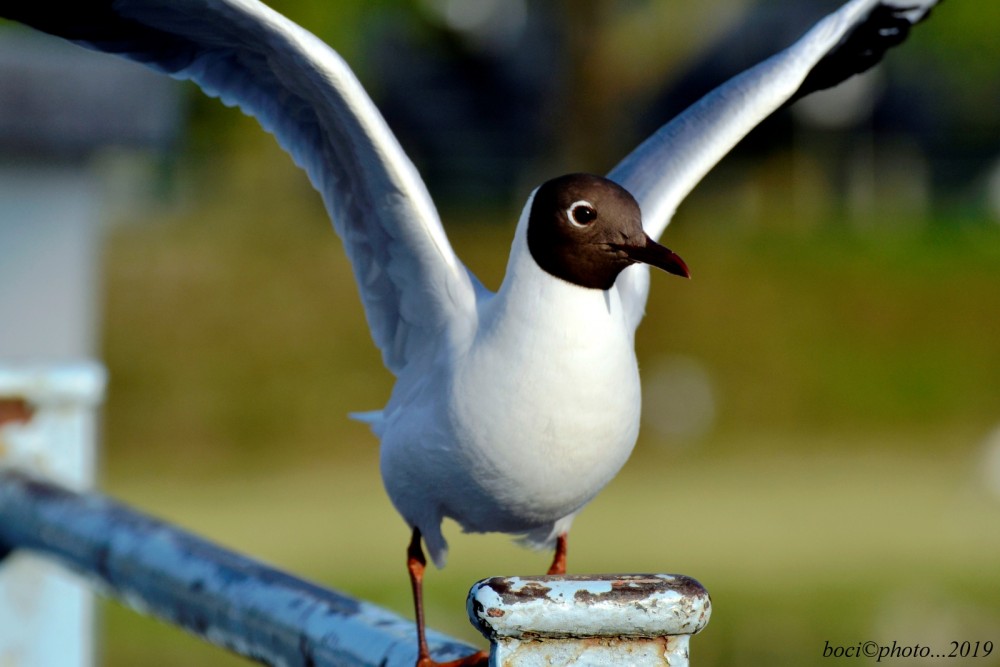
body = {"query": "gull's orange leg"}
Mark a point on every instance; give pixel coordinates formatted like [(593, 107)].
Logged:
[(416, 563), (559, 558)]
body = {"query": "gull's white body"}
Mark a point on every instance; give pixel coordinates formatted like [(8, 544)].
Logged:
[(511, 410), (517, 426)]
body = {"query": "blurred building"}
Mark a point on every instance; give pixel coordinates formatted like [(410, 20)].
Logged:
[(62, 108)]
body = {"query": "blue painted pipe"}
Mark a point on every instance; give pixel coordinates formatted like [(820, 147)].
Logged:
[(224, 597)]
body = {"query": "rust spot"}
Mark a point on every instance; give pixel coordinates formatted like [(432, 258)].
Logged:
[(624, 589), (494, 612), (663, 642), (629, 588), (689, 587), (533, 590), (525, 590), (15, 410), (500, 585)]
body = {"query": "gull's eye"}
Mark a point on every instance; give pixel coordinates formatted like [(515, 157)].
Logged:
[(581, 213)]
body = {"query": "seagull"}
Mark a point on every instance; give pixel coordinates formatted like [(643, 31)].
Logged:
[(511, 410)]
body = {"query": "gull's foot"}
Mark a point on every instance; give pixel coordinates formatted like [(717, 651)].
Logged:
[(416, 563)]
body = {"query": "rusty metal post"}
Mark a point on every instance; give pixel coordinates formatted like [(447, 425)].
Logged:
[(626, 619)]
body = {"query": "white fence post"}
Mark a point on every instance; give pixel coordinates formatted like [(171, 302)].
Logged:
[(61, 106), (48, 426)]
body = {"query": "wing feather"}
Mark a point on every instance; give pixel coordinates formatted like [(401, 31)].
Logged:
[(668, 165), (413, 287)]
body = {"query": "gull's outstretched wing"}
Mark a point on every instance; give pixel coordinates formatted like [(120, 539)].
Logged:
[(414, 288), (667, 166)]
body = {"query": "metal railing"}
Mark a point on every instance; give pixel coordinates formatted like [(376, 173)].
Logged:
[(224, 597)]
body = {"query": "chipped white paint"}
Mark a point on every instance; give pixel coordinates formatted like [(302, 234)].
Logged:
[(46, 615), (600, 620)]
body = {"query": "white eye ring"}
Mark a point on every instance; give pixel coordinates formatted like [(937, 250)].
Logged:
[(581, 213)]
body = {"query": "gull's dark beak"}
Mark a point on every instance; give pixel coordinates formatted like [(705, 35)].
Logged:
[(654, 254)]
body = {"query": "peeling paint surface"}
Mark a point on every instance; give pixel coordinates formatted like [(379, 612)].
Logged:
[(634, 605), (633, 619)]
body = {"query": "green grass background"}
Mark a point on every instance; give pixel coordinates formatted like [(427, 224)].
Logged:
[(841, 495)]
